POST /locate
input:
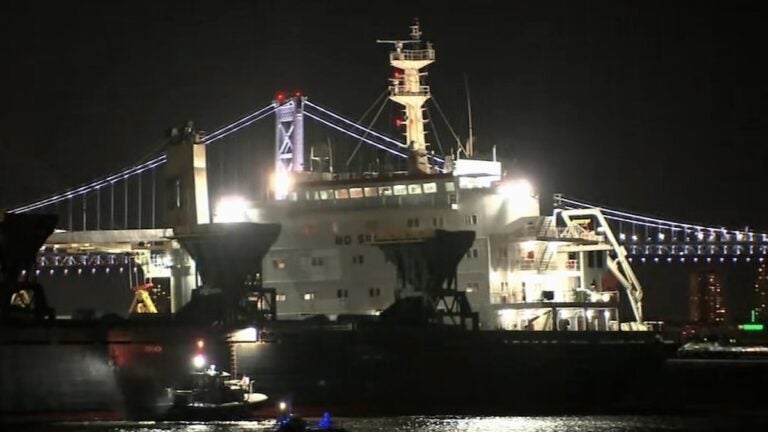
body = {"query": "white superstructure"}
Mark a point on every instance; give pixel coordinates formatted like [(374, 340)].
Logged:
[(523, 272)]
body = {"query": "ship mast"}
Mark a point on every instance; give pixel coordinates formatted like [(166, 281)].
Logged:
[(407, 89)]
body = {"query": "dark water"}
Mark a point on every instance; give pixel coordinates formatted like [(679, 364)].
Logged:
[(752, 422)]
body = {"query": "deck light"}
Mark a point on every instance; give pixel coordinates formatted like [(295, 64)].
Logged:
[(231, 209), (198, 361)]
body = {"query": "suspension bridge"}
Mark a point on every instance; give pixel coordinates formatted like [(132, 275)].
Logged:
[(127, 200)]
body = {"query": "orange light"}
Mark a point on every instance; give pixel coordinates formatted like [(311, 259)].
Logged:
[(280, 97), (200, 343)]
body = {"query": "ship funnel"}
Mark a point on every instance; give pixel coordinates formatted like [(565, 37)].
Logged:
[(21, 236), (227, 255), (428, 266)]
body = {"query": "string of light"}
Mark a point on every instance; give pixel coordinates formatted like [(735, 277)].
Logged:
[(353, 124), (646, 220), (370, 131), (352, 134), (212, 136), (138, 169)]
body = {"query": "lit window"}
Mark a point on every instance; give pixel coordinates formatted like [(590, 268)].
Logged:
[(400, 190), (309, 296), (324, 195), (450, 187), (278, 264), (370, 192), (430, 187), (470, 219), (356, 193), (280, 297), (414, 188), (385, 191), (342, 293), (341, 193)]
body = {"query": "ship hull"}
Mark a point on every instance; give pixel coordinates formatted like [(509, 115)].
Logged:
[(53, 371), (434, 371)]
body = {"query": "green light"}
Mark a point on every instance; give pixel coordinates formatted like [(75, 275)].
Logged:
[(752, 327)]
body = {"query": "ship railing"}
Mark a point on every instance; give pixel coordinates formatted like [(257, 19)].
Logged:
[(402, 90), (423, 54), (574, 233)]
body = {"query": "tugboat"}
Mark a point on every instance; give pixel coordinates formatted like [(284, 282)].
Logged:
[(213, 395)]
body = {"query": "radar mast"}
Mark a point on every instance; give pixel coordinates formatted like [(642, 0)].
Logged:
[(407, 89)]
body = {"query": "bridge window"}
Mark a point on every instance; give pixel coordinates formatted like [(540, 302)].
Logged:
[(400, 190), (356, 193), (309, 296), (437, 222), (450, 187), (280, 297), (342, 293), (470, 219), (374, 292), (358, 259), (317, 261), (278, 264), (176, 198), (413, 222), (473, 287), (385, 191), (414, 188), (430, 187), (341, 193), (370, 192), (324, 195), (472, 253)]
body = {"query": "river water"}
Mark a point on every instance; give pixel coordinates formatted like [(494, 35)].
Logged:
[(715, 422)]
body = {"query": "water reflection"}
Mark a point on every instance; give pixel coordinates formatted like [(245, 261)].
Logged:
[(461, 424)]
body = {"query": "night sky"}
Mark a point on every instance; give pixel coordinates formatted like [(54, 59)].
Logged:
[(654, 107)]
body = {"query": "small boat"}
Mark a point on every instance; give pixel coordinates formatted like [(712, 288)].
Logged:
[(213, 395), (293, 423)]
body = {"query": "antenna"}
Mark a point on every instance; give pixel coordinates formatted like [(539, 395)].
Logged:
[(470, 144)]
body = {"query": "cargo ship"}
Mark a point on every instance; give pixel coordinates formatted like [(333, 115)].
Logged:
[(439, 289)]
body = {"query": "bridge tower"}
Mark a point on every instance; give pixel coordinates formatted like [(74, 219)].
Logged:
[(289, 134), (407, 89)]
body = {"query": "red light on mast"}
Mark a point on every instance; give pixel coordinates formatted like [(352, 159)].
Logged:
[(399, 122), (280, 96), (298, 93)]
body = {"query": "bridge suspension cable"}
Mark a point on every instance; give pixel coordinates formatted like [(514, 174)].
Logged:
[(366, 132), (93, 185), (238, 124), (355, 135), (640, 219), (127, 173), (353, 124)]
